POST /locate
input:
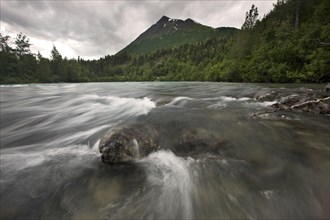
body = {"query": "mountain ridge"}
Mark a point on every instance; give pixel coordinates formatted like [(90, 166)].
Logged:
[(170, 32)]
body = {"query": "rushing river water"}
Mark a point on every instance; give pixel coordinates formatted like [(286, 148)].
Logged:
[(230, 166)]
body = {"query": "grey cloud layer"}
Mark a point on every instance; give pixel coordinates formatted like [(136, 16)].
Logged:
[(98, 28)]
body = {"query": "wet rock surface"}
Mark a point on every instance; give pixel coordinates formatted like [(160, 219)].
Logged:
[(304, 104), (266, 96), (127, 143), (306, 101)]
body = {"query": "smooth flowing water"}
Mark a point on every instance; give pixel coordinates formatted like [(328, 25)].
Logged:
[(215, 162)]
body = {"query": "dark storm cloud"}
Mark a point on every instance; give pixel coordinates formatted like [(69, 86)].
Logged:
[(94, 26), (98, 28)]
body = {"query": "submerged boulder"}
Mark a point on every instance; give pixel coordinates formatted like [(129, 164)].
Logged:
[(195, 142), (131, 142), (128, 143)]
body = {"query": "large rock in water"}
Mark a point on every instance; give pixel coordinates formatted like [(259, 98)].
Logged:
[(134, 141), (128, 143)]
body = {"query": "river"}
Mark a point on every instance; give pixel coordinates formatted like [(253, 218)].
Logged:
[(230, 165)]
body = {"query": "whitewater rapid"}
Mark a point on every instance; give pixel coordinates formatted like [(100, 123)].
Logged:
[(231, 166)]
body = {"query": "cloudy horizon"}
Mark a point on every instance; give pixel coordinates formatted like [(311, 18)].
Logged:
[(94, 29)]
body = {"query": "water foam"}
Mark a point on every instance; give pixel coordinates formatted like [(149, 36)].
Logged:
[(172, 174), (233, 99), (261, 104), (179, 101), (244, 99), (15, 85), (228, 98), (138, 106), (224, 100), (267, 103)]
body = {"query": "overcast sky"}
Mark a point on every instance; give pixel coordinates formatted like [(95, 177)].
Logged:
[(94, 28)]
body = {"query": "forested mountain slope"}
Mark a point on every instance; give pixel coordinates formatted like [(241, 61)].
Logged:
[(168, 33)]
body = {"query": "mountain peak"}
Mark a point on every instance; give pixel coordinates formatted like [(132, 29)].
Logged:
[(169, 32), (163, 19)]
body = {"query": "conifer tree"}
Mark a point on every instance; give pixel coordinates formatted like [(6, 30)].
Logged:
[(251, 18), (22, 43)]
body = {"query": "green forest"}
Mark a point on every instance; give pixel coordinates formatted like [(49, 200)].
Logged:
[(289, 44)]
